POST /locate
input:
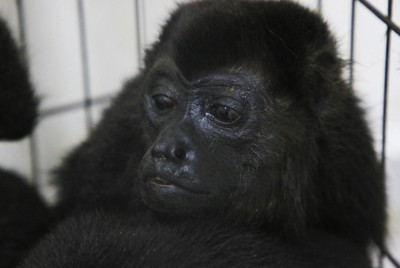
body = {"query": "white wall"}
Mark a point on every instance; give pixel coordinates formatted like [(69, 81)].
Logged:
[(114, 48)]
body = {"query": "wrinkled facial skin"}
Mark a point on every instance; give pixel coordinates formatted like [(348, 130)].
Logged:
[(198, 132)]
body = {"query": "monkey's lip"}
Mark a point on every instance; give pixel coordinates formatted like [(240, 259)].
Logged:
[(160, 181), (165, 184)]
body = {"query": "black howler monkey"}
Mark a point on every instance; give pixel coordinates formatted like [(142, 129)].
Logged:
[(239, 144)]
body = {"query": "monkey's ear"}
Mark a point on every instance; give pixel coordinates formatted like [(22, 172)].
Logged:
[(17, 101)]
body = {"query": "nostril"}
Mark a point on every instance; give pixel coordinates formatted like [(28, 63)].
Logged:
[(158, 151), (169, 152), (180, 154)]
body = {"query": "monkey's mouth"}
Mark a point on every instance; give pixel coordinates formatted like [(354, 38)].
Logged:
[(167, 185), (171, 195), (160, 182)]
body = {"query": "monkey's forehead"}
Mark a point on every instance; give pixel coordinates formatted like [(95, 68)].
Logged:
[(210, 35)]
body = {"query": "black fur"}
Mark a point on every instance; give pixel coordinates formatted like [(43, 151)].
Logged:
[(107, 240), (24, 217), (293, 181), (17, 101)]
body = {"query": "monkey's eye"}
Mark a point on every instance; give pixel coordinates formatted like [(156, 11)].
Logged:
[(224, 114), (163, 102)]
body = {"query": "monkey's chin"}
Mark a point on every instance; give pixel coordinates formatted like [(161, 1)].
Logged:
[(165, 196)]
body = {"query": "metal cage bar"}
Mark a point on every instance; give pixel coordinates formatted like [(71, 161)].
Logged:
[(85, 65)]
